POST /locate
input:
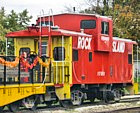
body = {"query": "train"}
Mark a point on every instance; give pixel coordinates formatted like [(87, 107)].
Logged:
[(69, 57)]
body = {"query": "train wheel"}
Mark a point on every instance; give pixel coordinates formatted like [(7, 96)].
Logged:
[(92, 100), (65, 103), (111, 96), (30, 102), (49, 103), (1, 109), (14, 107), (33, 108), (108, 101), (106, 97), (77, 97), (117, 95)]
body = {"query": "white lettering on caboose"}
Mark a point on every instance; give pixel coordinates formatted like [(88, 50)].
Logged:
[(118, 47), (84, 43)]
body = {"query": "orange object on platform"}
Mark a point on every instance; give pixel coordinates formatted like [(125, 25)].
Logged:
[(36, 60), (9, 64)]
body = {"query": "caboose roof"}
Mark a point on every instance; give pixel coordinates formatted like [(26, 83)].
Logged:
[(34, 32), (81, 14), (124, 40)]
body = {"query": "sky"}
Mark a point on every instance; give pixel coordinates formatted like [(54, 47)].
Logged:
[(35, 7)]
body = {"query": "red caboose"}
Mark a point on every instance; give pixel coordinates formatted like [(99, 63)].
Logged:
[(86, 61), (102, 64)]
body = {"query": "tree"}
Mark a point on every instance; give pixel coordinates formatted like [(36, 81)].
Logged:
[(127, 19), (101, 7), (11, 22), (24, 19), (18, 21), (3, 30)]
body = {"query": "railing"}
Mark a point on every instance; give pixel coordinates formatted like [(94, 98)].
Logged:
[(8, 75), (60, 71), (20, 74)]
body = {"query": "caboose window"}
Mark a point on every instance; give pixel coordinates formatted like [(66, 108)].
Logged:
[(90, 56), (43, 48), (24, 51), (59, 53), (105, 28), (129, 58), (46, 23), (88, 24), (75, 55)]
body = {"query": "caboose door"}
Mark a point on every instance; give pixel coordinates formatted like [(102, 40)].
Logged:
[(62, 65)]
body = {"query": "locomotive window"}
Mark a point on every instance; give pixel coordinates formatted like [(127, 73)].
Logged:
[(105, 28), (88, 24), (75, 55), (129, 58), (90, 56), (59, 53)]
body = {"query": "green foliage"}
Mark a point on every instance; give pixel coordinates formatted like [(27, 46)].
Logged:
[(2, 47), (127, 19), (11, 22), (24, 19), (101, 7), (17, 21)]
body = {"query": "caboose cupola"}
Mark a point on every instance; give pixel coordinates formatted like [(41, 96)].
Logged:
[(100, 27)]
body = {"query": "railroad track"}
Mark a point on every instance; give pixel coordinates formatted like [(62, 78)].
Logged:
[(124, 110), (130, 103)]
